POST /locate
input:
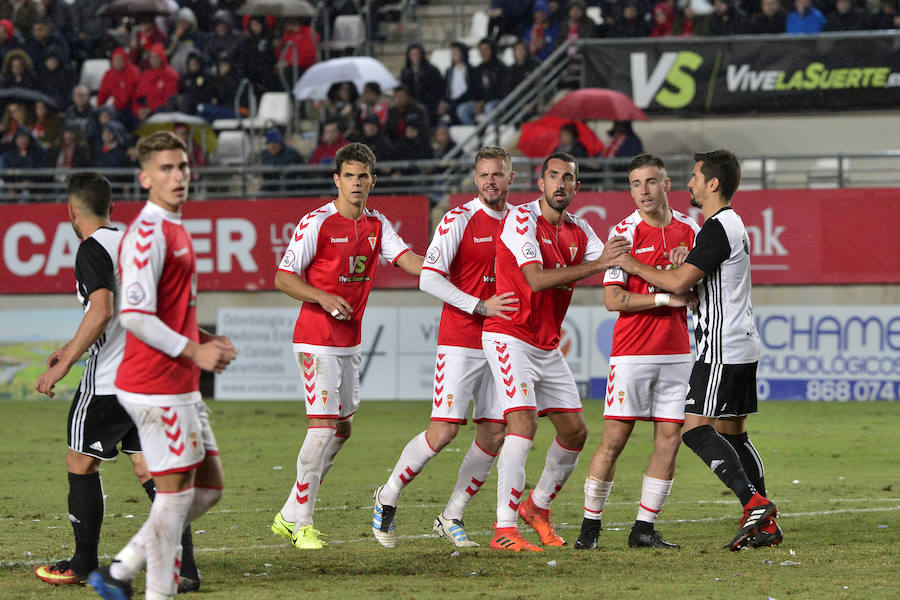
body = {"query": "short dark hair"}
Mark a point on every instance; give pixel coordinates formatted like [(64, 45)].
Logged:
[(564, 156), (92, 191), (158, 142), (492, 152), (646, 160), (373, 86), (571, 128), (355, 152), (724, 166)]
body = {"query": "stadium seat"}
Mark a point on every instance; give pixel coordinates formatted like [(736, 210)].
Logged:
[(594, 14), (440, 58), (233, 149), (478, 30), (92, 72), (348, 33), (508, 56), (474, 56), (274, 109)]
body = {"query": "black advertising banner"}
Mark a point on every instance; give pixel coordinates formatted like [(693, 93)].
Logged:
[(762, 74)]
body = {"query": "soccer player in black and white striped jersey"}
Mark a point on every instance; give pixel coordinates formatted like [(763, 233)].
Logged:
[(722, 389)]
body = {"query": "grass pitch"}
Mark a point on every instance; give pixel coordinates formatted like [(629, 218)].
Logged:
[(832, 469)]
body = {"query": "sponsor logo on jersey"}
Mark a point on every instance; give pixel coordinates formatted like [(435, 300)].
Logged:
[(643, 250), (180, 252), (433, 255), (529, 251), (372, 240), (135, 293), (342, 240), (288, 260), (546, 241), (573, 250), (488, 279), (481, 240)]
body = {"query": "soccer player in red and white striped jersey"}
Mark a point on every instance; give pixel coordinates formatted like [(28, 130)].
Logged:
[(459, 269), (651, 356), (158, 380), (541, 253), (329, 266)]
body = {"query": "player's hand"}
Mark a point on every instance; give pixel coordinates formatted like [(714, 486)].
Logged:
[(677, 255), (54, 358), (336, 306), (214, 355), (688, 299), (626, 262), (500, 304), (615, 246), (50, 377)]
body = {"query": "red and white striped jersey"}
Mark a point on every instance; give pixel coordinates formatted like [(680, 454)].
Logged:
[(526, 237), (463, 250), (339, 256), (657, 335), (159, 277)]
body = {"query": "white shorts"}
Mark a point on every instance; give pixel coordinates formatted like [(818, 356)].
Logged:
[(647, 391), (462, 375), (174, 439), (530, 378), (330, 384)]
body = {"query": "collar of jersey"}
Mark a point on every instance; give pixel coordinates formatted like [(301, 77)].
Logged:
[(159, 211)]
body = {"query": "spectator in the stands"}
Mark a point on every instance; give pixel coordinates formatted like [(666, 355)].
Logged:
[(569, 142), (277, 154), (577, 26), (71, 151), (111, 154), (524, 64), (22, 14), (423, 79), (232, 6), (340, 106), (43, 38), (15, 116), (55, 78), (623, 141), (846, 17), (119, 82), (259, 56), (330, 141), (441, 142), (26, 153), (225, 38), (805, 18), (297, 48), (89, 28), (461, 88), (197, 157), (371, 102), (415, 145), (195, 85), (631, 23), (185, 39), (155, 85), (663, 19), (727, 19), (541, 36), (372, 136), (81, 113), (507, 17), (58, 15), (492, 76), (203, 10), (9, 39), (144, 37), (770, 19), (18, 71), (404, 107), (223, 87), (48, 124), (886, 17), (695, 19)]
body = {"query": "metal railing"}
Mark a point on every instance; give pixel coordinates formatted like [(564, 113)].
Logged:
[(439, 178)]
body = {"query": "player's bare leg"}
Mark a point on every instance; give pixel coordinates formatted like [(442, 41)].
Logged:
[(562, 457), (656, 486), (599, 482), (521, 427)]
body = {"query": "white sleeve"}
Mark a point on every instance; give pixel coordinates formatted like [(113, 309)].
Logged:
[(432, 282), (302, 248), (618, 275), (153, 332), (594, 247), (519, 235), (392, 245)]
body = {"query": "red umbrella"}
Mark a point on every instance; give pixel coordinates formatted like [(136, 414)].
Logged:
[(540, 137), (597, 103)]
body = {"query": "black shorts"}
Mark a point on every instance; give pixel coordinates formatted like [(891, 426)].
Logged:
[(721, 390), (97, 424)]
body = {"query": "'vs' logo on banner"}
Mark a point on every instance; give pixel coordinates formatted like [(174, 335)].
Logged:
[(675, 69)]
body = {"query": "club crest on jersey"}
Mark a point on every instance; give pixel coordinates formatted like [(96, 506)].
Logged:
[(573, 250), (324, 395), (372, 239), (614, 272), (449, 400), (524, 388), (528, 250), (433, 255), (288, 260), (135, 293), (621, 397)]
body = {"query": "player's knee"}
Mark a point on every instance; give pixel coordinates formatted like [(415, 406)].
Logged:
[(575, 438), (344, 429), (81, 464), (440, 434)]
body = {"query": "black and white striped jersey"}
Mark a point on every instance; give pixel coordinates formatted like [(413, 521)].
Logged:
[(723, 324), (96, 267)]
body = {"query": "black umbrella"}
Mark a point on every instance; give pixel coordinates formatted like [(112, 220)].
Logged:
[(136, 8), (25, 95), (278, 8)]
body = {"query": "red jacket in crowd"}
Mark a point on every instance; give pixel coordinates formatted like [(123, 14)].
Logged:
[(118, 83), (305, 39), (155, 85)]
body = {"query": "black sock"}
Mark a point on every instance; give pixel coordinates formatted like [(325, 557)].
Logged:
[(150, 488), (719, 456), (750, 460), (642, 526), (188, 566), (86, 515)]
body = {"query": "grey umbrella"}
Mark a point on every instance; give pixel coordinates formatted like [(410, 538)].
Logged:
[(278, 8)]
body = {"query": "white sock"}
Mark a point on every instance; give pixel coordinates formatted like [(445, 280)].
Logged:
[(653, 495), (559, 465), (204, 499), (411, 462), (168, 515), (474, 470), (301, 500), (334, 446), (511, 478), (130, 560), (596, 493)]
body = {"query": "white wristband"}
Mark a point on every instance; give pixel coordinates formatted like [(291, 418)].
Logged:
[(661, 299)]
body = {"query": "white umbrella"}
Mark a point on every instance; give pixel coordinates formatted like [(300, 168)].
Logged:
[(318, 79)]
